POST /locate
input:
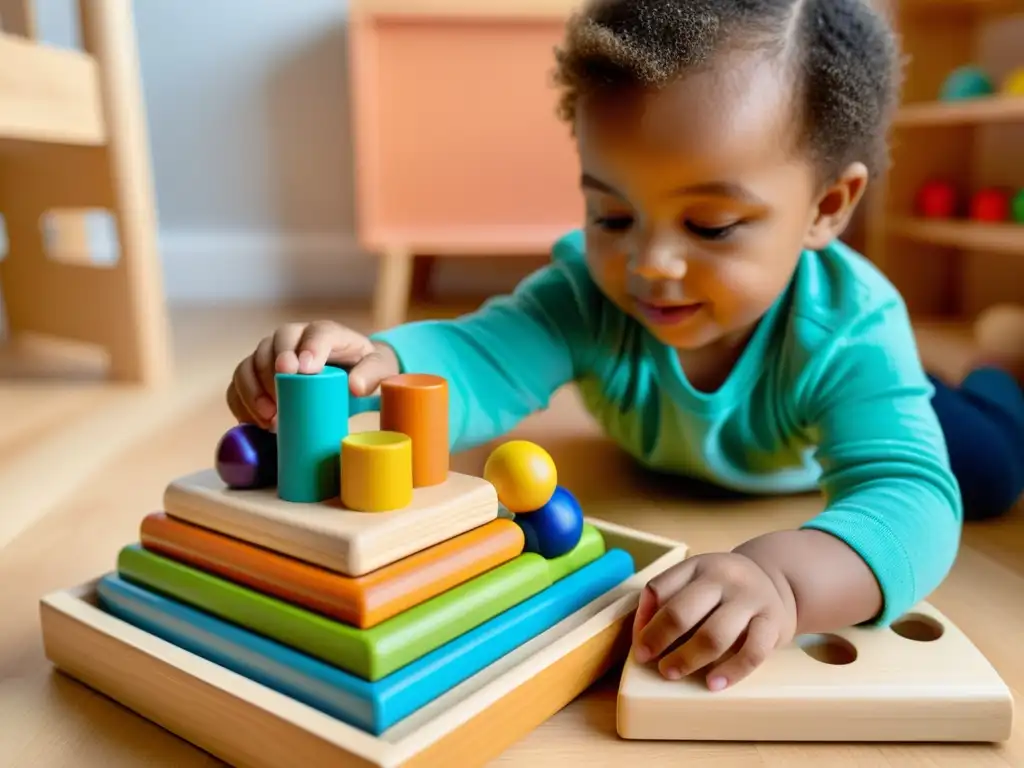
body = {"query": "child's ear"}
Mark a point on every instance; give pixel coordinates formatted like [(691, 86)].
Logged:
[(835, 206)]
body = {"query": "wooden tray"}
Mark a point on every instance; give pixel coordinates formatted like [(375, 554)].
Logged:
[(244, 723)]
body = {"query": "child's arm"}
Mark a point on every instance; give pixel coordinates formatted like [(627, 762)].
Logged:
[(504, 361), (891, 526), (887, 537)]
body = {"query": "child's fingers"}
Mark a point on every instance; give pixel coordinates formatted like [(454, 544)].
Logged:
[(673, 579), (369, 372), (263, 362), (285, 343), (327, 342), (645, 611), (658, 591), (242, 413), (762, 637), (678, 616), (247, 387), (709, 643)]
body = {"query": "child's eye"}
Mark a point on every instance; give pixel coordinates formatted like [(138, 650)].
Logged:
[(614, 223), (711, 233)]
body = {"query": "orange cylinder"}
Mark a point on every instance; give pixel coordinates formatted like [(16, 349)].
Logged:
[(416, 404)]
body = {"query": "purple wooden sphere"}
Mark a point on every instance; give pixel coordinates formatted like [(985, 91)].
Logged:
[(247, 457)]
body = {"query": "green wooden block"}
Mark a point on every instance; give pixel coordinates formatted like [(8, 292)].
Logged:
[(369, 653)]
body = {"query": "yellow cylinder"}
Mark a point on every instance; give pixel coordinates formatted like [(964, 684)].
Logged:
[(376, 471)]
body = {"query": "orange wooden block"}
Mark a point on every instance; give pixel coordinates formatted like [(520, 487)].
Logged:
[(362, 601), (416, 404)]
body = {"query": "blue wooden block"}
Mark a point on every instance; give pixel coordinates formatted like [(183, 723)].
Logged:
[(375, 706)]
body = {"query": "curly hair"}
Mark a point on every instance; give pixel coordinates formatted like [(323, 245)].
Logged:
[(843, 56)]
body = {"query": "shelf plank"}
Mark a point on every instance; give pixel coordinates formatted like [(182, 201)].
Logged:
[(48, 94), (991, 109), (961, 6), (470, 9), (967, 235)]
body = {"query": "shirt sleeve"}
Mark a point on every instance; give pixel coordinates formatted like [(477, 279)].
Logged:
[(504, 361), (890, 493)]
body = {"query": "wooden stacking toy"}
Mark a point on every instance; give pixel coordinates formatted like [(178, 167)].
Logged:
[(344, 594)]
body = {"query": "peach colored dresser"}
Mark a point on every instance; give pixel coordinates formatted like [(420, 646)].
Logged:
[(458, 151)]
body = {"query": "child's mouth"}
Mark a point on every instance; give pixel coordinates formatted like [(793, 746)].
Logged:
[(668, 315)]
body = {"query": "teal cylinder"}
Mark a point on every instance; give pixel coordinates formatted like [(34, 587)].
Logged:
[(312, 420)]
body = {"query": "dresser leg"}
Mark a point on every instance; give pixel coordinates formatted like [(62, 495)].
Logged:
[(394, 284)]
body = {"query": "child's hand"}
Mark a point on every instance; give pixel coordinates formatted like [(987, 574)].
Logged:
[(305, 348), (732, 609)]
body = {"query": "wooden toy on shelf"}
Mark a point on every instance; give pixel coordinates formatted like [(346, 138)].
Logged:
[(967, 82), (1013, 83), (937, 199), (990, 204)]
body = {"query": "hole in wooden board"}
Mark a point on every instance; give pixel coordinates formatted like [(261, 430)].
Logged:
[(81, 236), (828, 649), (918, 627)]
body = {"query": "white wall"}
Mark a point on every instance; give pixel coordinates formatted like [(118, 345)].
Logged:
[(247, 108)]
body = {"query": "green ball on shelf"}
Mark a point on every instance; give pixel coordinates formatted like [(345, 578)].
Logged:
[(967, 83), (1017, 207)]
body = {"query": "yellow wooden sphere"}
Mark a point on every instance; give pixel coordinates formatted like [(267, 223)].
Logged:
[(523, 474)]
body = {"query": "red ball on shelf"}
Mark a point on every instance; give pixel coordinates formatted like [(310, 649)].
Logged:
[(937, 200), (990, 204)]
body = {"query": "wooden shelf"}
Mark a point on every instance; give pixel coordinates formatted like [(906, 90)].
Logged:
[(953, 7), (965, 235), (950, 267), (992, 109), (406, 9)]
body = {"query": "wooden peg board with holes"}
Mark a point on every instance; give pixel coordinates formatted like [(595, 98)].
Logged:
[(920, 680)]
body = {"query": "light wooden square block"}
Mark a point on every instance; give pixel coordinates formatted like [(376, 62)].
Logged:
[(921, 680), (245, 723), (327, 534)]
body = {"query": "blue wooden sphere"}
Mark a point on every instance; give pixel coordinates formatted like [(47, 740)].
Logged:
[(531, 542), (554, 529)]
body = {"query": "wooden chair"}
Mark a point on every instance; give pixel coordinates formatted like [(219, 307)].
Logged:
[(73, 137)]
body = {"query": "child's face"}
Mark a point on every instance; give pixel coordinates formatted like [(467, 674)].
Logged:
[(697, 205)]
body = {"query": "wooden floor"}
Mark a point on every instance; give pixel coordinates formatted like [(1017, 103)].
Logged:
[(82, 462)]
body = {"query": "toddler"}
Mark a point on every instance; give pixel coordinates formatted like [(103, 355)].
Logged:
[(713, 322)]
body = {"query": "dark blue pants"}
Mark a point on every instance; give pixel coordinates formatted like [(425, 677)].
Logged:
[(983, 421)]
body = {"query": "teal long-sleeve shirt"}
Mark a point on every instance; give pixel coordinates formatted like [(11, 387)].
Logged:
[(829, 394)]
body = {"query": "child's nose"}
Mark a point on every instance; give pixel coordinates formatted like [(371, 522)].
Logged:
[(657, 264)]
